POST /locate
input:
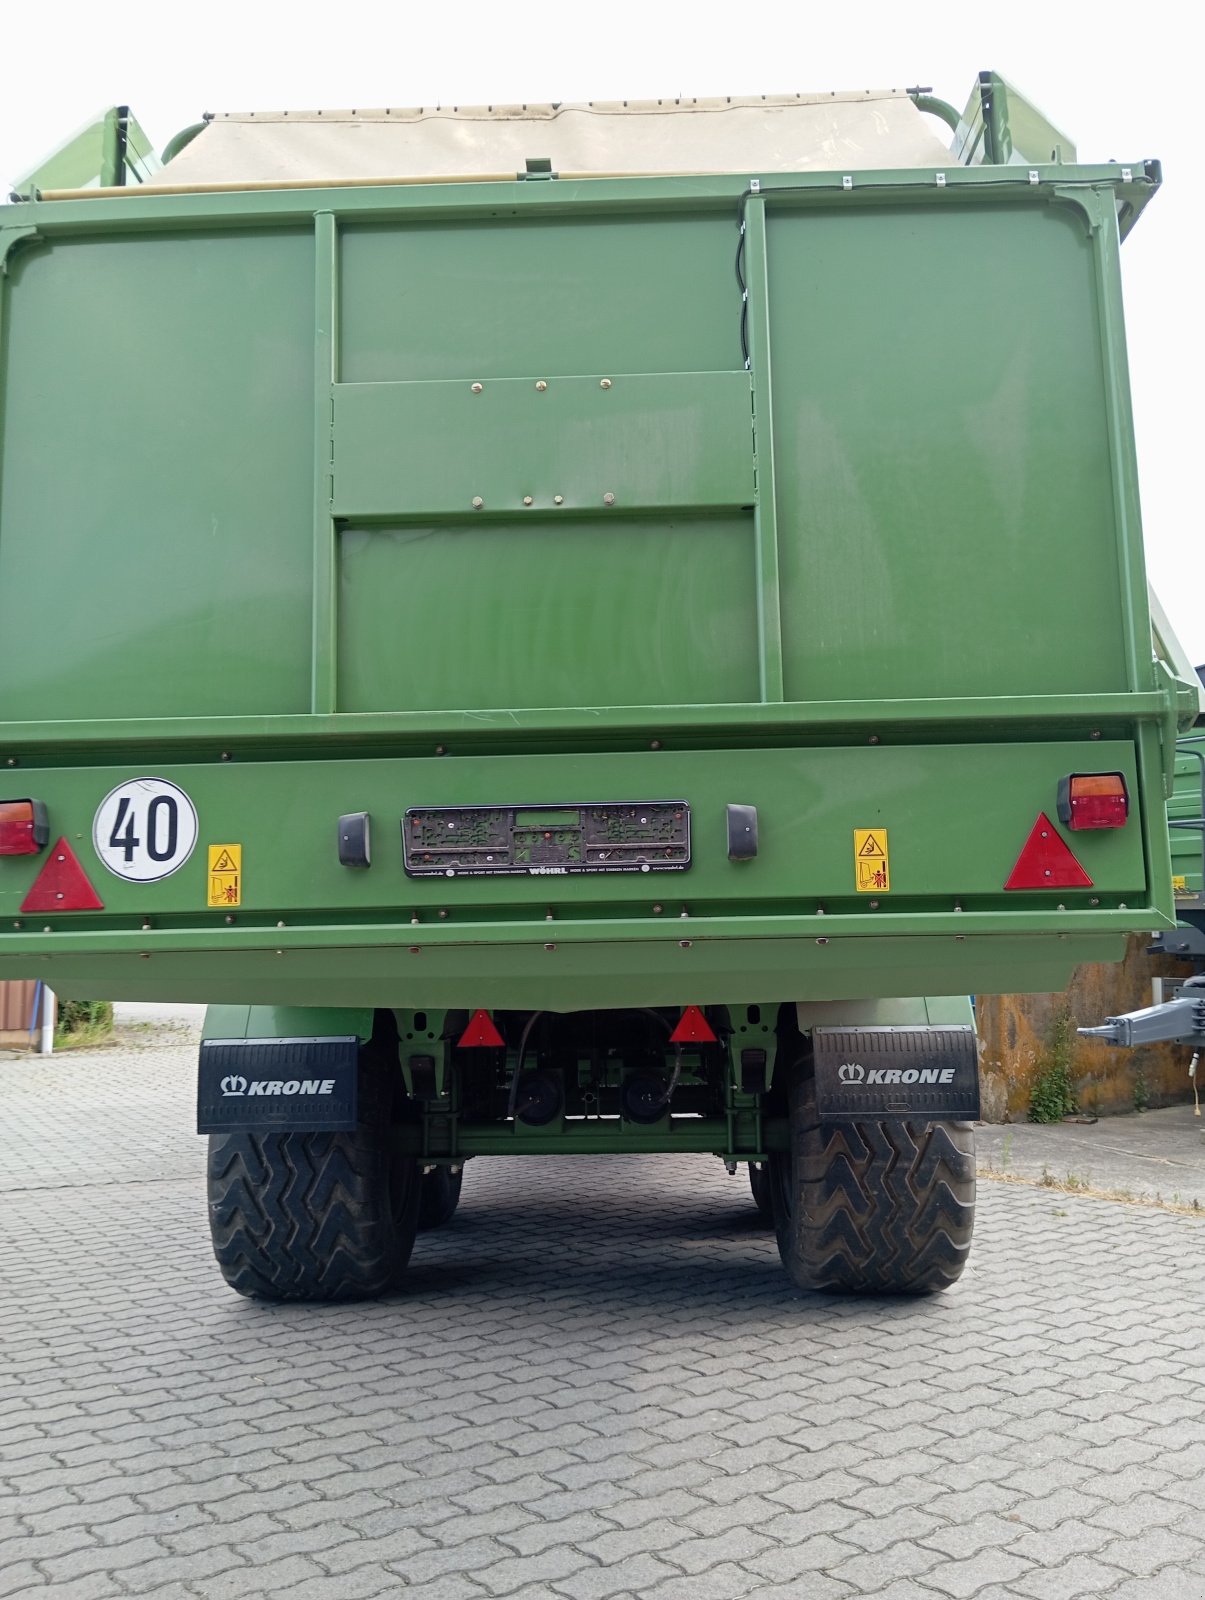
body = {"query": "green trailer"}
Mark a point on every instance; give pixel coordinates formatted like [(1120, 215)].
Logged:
[(580, 629)]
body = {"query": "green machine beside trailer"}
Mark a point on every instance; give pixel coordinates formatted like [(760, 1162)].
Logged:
[(580, 629)]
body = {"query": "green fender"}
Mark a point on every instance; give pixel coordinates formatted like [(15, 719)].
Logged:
[(920, 1011), (288, 1022)]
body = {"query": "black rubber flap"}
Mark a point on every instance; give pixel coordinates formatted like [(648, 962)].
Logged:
[(277, 1085), (912, 1074)]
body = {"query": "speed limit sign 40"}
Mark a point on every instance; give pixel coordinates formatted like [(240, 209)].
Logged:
[(145, 829)]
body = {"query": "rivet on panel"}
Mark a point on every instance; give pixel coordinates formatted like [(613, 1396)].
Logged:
[(477, 387), (229, 922), (608, 498), (604, 383), (541, 385), (478, 502), (443, 916), (11, 762), (657, 910), (654, 744)]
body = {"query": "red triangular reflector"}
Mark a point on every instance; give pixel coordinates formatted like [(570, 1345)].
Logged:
[(62, 885), (693, 1028), (480, 1033), (1046, 861)]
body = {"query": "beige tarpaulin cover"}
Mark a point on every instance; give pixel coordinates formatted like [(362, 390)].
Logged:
[(777, 133)]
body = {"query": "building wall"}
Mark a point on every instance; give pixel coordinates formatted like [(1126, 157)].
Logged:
[(1014, 1035), (16, 1014)]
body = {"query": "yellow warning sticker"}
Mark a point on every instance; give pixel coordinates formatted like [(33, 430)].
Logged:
[(872, 875), (225, 874), (1179, 884)]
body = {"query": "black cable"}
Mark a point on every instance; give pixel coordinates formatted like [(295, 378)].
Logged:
[(514, 1082), (740, 277)]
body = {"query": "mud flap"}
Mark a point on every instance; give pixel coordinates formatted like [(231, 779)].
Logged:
[(909, 1074), (277, 1085)]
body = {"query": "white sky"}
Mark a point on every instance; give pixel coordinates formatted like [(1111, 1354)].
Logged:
[(1117, 79)]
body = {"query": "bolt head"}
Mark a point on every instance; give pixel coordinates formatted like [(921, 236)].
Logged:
[(608, 499), (541, 385), (558, 499), (477, 388), (478, 502), (604, 383), (527, 500)]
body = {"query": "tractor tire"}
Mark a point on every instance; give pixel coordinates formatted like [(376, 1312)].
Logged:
[(872, 1207), (316, 1216), (439, 1197), (759, 1183)]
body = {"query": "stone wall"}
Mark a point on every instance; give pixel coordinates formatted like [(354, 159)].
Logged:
[(1014, 1034)]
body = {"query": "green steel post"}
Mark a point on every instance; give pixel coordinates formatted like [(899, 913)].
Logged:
[(765, 513), (180, 141), (326, 335), (1100, 210), (937, 108)]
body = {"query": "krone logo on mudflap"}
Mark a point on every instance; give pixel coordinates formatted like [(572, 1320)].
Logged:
[(851, 1072), (234, 1084)]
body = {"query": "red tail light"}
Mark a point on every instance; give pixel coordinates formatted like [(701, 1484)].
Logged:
[(1093, 800), (24, 828)]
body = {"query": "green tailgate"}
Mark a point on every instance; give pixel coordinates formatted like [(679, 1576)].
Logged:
[(504, 495)]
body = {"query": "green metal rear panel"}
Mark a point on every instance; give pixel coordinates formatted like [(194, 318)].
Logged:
[(358, 500), (155, 497), (950, 491), (1187, 806)]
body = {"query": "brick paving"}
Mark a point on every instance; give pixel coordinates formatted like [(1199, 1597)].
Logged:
[(597, 1385)]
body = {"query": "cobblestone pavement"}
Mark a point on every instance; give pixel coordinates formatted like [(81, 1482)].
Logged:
[(597, 1384)]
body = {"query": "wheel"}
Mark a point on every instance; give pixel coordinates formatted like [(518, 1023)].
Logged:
[(876, 1207), (439, 1197), (759, 1182), (316, 1216)]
